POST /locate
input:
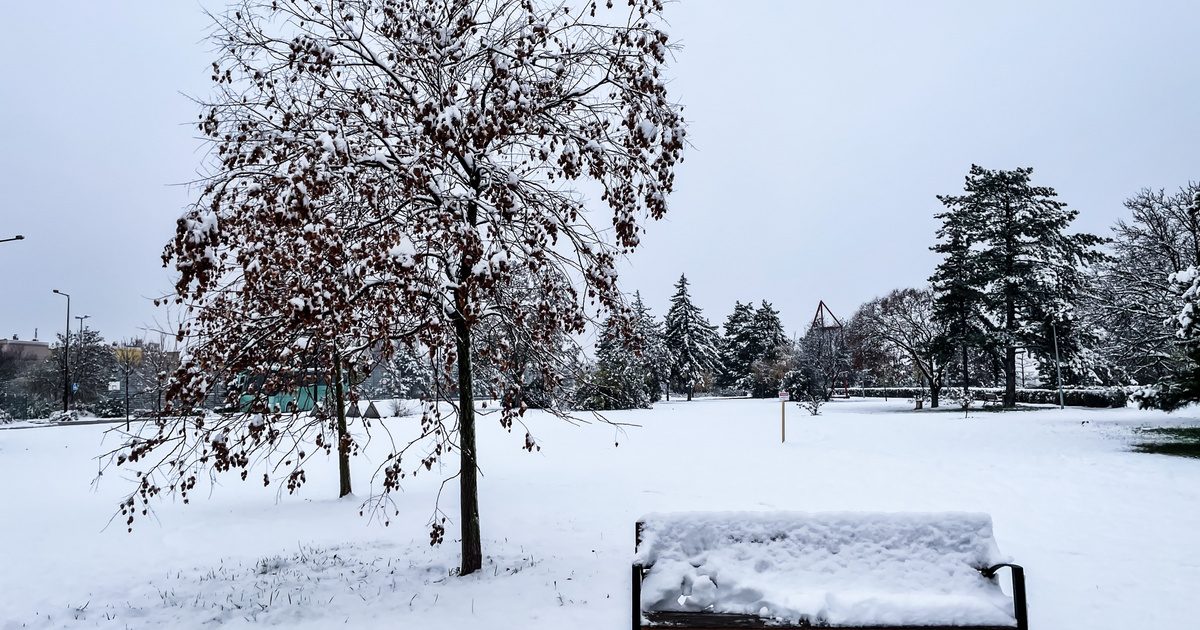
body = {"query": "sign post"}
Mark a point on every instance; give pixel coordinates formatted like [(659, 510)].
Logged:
[(783, 398)]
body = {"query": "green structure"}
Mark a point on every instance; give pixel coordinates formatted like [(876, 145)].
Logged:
[(302, 397)]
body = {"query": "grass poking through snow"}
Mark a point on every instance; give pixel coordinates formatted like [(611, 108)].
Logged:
[(1178, 441)]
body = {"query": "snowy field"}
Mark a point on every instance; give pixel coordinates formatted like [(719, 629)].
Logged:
[(1108, 536)]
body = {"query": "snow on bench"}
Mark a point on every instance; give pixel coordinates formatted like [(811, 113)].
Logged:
[(860, 570)]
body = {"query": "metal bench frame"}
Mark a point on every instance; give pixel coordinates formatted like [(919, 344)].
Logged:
[(712, 621)]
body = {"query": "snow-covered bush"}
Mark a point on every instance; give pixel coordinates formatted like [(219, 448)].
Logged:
[(813, 402), (65, 416)]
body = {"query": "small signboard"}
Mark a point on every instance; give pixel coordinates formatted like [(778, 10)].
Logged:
[(784, 395), (114, 386)]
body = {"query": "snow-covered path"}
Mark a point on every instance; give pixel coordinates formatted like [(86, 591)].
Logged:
[(1107, 536)]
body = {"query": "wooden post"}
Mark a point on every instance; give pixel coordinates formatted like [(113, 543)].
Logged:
[(782, 421)]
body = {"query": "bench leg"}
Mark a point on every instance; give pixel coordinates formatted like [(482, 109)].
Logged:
[(637, 597), (1019, 604)]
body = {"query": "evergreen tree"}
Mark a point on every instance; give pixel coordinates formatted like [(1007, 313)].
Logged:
[(403, 374), (691, 340), (1010, 267), (768, 351), (92, 365), (655, 359), (617, 380), (957, 287), (736, 351)]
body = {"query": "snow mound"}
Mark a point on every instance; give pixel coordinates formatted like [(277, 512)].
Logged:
[(827, 568)]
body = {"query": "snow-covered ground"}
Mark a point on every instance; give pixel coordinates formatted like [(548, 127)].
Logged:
[(1108, 536)]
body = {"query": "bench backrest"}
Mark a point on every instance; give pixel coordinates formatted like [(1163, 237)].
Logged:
[(833, 568)]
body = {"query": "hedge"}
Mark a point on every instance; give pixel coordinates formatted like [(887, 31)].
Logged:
[(1073, 397)]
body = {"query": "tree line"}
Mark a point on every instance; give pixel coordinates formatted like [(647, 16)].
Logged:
[(1016, 299), (107, 380)]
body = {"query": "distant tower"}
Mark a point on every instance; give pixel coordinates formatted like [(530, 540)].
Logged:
[(825, 321), (830, 331)]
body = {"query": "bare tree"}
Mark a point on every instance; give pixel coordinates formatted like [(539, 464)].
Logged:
[(823, 360), (380, 169), (903, 320), (1131, 299)]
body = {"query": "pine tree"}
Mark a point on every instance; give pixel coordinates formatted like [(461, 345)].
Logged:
[(1010, 266), (691, 340), (655, 359), (767, 350), (403, 373), (736, 352), (617, 380), (92, 364), (958, 295)]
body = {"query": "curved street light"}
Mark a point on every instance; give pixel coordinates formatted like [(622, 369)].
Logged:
[(66, 351), (18, 237), (79, 349)]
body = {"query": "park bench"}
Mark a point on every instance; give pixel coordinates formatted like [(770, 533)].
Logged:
[(841, 570), (990, 399)]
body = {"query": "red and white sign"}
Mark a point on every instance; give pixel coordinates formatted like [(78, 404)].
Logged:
[(783, 395)]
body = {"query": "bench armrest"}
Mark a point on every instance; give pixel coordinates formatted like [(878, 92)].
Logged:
[(1020, 609)]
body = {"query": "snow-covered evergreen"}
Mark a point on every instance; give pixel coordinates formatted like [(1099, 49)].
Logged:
[(736, 348), (654, 357), (769, 350), (691, 340), (617, 381), (1011, 274)]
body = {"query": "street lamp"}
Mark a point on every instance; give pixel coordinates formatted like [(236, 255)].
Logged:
[(13, 238), (79, 348), (1057, 364), (66, 351)]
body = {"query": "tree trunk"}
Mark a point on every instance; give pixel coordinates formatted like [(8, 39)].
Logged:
[(339, 393), (966, 381), (472, 549), (691, 388), (1010, 351), (1010, 377), (935, 390)]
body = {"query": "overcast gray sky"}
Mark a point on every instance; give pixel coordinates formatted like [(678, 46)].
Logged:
[(822, 132)]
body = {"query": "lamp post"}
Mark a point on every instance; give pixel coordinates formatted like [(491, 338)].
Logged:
[(1057, 364), (78, 350), (66, 352), (12, 238)]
